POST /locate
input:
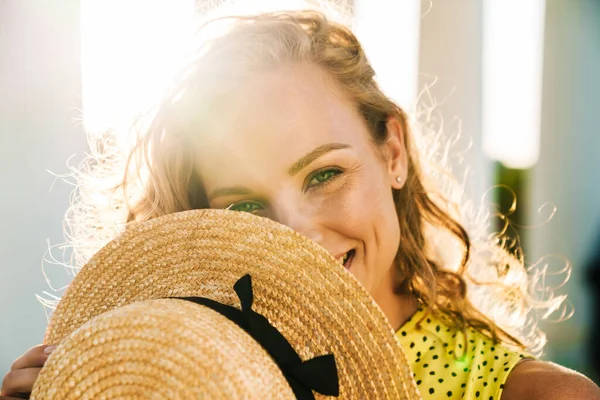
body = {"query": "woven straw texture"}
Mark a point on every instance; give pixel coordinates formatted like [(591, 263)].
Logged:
[(163, 349), (298, 286)]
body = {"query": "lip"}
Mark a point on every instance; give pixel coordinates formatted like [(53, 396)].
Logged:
[(349, 263)]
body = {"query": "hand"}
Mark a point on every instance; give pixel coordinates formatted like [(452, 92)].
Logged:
[(24, 371)]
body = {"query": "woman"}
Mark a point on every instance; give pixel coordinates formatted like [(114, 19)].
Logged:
[(279, 115)]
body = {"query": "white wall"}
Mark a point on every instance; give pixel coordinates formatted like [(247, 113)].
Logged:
[(39, 91), (450, 67), (568, 172)]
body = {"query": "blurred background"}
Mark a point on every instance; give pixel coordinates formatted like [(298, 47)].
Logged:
[(518, 79)]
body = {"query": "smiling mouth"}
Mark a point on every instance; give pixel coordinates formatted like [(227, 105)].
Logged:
[(346, 259)]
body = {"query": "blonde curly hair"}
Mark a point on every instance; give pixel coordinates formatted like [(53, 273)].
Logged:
[(486, 288)]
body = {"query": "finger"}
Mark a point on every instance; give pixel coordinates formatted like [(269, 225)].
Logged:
[(13, 398), (32, 358), (18, 396), (19, 381)]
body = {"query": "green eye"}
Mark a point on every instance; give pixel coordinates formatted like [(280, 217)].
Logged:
[(323, 176), (246, 206)]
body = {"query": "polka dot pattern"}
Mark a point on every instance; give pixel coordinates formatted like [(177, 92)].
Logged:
[(448, 365)]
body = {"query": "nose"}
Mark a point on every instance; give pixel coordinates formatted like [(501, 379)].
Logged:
[(301, 218)]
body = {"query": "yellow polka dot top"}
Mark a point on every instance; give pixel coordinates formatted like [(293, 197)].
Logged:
[(445, 369)]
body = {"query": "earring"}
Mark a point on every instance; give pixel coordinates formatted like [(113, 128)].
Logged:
[(399, 179)]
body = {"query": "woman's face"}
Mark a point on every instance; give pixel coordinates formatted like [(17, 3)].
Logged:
[(291, 148)]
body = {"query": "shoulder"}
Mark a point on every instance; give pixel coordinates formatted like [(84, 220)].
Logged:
[(534, 379)]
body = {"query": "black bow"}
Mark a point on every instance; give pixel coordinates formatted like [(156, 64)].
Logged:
[(318, 374)]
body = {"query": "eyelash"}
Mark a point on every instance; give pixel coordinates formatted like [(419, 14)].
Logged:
[(336, 172), (241, 203)]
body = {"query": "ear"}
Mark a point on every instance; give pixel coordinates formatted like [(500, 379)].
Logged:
[(395, 152)]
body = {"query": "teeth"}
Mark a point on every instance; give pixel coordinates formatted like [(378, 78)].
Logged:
[(343, 258)]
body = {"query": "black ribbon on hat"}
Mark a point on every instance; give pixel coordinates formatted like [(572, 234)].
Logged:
[(318, 374)]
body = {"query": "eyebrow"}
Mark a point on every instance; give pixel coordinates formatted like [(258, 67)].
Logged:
[(313, 155), (230, 191), (294, 169)]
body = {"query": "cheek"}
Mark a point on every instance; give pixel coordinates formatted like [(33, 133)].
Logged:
[(364, 209), (384, 221)]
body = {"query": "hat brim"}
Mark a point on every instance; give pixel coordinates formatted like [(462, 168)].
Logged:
[(298, 286), (165, 349)]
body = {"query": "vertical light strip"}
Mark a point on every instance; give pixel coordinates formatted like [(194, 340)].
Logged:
[(130, 50), (389, 33), (512, 80)]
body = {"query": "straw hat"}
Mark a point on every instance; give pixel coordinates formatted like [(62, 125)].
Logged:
[(119, 337)]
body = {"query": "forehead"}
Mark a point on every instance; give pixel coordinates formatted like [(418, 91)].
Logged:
[(276, 118)]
